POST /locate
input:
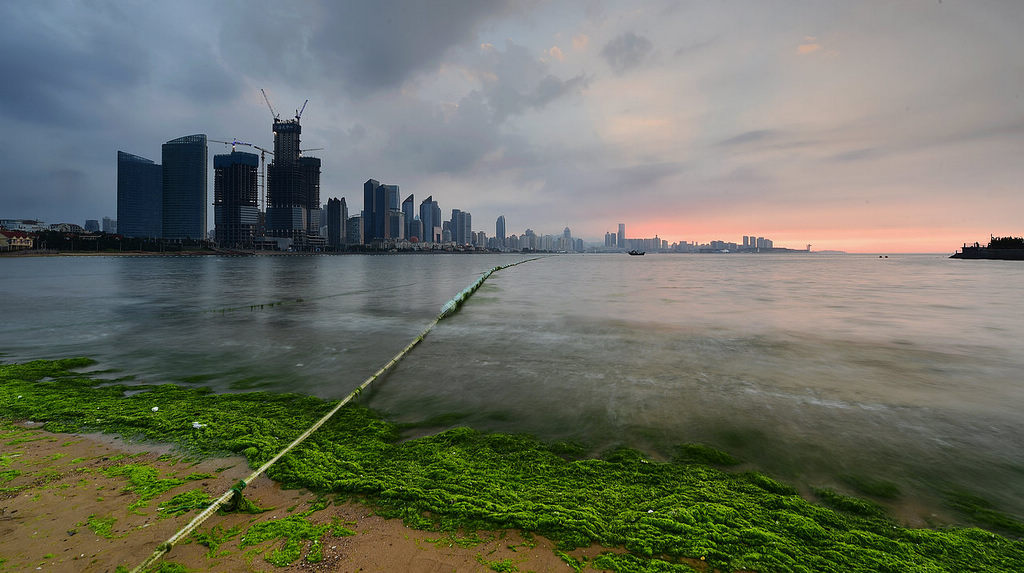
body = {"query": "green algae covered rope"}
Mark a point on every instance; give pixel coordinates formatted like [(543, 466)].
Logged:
[(450, 308)]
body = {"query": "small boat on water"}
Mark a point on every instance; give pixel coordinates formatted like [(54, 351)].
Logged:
[(635, 253)]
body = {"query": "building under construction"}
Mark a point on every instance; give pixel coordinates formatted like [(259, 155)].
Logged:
[(293, 187), (236, 211)]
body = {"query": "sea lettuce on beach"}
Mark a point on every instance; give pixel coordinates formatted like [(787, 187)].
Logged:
[(665, 515)]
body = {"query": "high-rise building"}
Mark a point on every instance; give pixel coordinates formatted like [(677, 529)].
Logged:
[(430, 218), (139, 196), (461, 226), (620, 239), (392, 227), (293, 187), (354, 230), (109, 225), (337, 217), (369, 223), (92, 225), (236, 212), (184, 187), (309, 168), (499, 231), (409, 217)]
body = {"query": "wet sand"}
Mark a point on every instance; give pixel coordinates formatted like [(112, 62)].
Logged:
[(60, 483)]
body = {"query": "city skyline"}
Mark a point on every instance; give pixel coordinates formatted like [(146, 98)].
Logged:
[(857, 126)]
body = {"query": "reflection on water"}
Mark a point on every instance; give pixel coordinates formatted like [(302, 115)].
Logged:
[(812, 367)]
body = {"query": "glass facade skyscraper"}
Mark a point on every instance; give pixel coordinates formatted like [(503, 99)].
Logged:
[(369, 223), (430, 218), (499, 231), (139, 196), (409, 217), (184, 188)]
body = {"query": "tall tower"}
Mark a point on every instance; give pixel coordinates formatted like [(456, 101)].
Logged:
[(620, 239), (337, 216), (236, 212), (369, 223), (408, 208), (430, 217), (499, 230), (184, 187), (309, 185), (286, 204), (140, 192)]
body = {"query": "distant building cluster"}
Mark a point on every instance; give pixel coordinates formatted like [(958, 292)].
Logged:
[(277, 206), (619, 242), (168, 201)]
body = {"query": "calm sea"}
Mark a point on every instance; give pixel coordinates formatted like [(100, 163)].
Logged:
[(820, 369)]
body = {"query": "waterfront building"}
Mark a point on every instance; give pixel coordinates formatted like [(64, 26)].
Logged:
[(15, 240), (499, 231), (293, 188), (415, 230), (409, 217), (309, 169), (337, 217), (236, 212), (109, 225), (354, 230), (430, 218), (461, 226), (370, 195), (395, 225), (139, 196), (184, 187), (620, 239)]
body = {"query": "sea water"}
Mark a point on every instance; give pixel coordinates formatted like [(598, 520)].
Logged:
[(822, 370)]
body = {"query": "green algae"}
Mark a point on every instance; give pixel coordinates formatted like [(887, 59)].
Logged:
[(500, 565), (294, 531), (214, 537), (102, 526), (143, 481), (185, 502), (662, 514)]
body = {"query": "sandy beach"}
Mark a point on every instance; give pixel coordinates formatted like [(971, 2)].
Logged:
[(59, 483)]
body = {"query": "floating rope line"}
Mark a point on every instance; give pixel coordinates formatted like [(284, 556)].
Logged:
[(449, 308)]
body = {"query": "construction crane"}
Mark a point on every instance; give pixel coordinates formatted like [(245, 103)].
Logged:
[(272, 112), (298, 114), (232, 143), (301, 151)]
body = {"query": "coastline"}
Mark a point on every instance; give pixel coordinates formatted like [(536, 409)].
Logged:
[(61, 484), (617, 512)]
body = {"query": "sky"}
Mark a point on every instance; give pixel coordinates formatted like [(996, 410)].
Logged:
[(867, 126)]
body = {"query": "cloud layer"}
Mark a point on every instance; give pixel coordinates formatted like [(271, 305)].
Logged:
[(846, 125)]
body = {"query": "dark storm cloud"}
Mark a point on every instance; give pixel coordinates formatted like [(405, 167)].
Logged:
[(626, 52), (364, 47), (53, 74)]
